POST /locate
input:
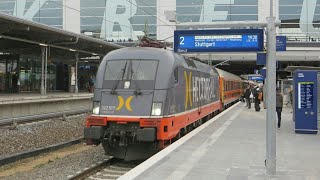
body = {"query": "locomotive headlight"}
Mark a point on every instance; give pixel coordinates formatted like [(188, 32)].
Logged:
[(96, 107), (156, 109)]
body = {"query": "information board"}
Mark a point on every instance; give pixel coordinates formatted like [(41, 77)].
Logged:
[(281, 44), (306, 101), (305, 95), (227, 40)]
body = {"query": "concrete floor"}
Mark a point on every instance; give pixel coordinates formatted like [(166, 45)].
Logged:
[(234, 148)]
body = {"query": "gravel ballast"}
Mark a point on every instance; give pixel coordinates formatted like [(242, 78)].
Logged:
[(61, 163), (40, 134), (61, 168)]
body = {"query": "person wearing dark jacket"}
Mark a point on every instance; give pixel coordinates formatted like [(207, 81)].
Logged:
[(279, 105), (256, 98), (247, 94)]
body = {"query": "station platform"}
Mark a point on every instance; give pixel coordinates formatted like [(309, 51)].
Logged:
[(232, 146), (25, 106), (6, 98)]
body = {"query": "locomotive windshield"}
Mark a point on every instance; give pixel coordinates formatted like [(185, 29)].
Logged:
[(131, 70)]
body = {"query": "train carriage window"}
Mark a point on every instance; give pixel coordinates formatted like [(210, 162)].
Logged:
[(227, 85)]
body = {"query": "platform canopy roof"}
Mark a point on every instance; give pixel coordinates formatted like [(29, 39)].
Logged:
[(20, 36), (294, 68)]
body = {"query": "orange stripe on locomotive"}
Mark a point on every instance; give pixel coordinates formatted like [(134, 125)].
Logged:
[(167, 127)]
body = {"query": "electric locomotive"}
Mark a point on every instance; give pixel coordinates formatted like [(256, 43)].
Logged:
[(145, 98)]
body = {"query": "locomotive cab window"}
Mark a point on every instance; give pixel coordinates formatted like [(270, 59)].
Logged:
[(190, 62), (131, 70)]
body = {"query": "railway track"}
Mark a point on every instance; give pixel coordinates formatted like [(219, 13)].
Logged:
[(108, 169), (36, 152), (27, 119)]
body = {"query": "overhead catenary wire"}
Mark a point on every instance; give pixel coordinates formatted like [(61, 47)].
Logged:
[(150, 14), (109, 21), (143, 2), (106, 20)]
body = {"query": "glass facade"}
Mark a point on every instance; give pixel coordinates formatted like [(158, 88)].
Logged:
[(9, 73), (219, 10), (42, 11), (300, 19), (127, 19), (118, 19), (124, 20)]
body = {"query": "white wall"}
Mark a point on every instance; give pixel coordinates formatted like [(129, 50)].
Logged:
[(163, 30), (71, 15)]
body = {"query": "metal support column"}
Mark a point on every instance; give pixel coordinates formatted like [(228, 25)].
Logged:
[(43, 55), (271, 99), (76, 74), (45, 70)]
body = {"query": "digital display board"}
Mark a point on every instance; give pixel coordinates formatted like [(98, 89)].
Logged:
[(227, 40), (305, 95), (281, 44)]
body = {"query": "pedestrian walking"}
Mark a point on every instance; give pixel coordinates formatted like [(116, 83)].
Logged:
[(247, 95), (279, 105)]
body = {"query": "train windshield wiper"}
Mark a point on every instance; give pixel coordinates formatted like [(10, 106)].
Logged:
[(137, 90), (113, 91)]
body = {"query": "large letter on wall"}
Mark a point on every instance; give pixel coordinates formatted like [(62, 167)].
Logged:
[(208, 14), (34, 8), (122, 18), (306, 19), (19, 8)]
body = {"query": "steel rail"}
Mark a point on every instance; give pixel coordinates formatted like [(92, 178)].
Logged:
[(32, 153), (25, 119), (92, 169)]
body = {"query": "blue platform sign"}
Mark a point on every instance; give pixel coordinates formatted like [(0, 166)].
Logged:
[(261, 58), (281, 43), (227, 40), (256, 78), (306, 107)]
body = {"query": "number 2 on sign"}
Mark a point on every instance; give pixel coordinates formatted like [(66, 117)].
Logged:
[(181, 40)]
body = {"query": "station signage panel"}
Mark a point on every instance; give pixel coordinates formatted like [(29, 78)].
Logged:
[(281, 44), (306, 101), (305, 95), (227, 40), (256, 78)]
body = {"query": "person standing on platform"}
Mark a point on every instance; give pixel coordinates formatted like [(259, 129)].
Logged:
[(247, 95), (256, 98), (279, 105)]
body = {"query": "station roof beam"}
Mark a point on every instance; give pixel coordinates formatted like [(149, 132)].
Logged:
[(19, 36)]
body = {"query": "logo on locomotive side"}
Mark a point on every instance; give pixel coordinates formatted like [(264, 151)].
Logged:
[(127, 104), (188, 90), (197, 89)]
